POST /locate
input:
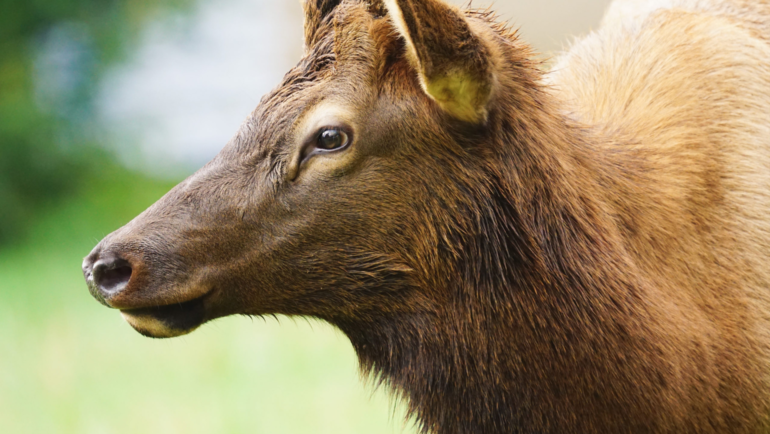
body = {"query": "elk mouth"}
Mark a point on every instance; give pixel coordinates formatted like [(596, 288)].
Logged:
[(167, 321)]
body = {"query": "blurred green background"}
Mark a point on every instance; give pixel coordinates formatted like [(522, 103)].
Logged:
[(102, 105)]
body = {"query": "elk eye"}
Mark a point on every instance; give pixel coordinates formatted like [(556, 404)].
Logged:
[(331, 138), (326, 139)]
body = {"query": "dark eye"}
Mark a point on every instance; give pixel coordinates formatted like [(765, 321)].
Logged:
[(331, 138), (326, 139)]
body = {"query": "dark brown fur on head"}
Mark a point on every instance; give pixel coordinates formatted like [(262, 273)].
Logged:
[(468, 241)]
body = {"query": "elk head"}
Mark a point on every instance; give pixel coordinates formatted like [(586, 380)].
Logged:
[(350, 194)]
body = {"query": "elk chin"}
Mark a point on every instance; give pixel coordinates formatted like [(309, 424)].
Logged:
[(166, 321)]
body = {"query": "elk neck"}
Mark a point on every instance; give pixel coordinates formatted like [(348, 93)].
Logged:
[(537, 293)]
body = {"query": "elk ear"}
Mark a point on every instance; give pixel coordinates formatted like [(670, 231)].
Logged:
[(315, 12), (453, 63)]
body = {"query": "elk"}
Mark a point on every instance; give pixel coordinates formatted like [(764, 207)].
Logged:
[(511, 250)]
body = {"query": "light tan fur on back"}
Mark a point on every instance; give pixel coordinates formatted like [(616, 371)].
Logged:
[(743, 13), (684, 94)]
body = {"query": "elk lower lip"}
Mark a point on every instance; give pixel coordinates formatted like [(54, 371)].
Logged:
[(169, 320)]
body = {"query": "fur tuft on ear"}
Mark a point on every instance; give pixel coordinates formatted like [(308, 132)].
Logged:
[(315, 12), (453, 63)]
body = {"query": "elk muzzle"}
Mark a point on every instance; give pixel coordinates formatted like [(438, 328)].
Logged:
[(115, 278)]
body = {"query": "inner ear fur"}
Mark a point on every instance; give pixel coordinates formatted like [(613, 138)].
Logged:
[(315, 12), (453, 63)]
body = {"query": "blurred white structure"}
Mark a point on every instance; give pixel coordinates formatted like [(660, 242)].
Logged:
[(194, 77), (549, 25)]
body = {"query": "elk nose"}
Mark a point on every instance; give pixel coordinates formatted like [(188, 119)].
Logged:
[(106, 276)]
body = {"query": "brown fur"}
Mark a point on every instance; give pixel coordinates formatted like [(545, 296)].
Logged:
[(583, 251)]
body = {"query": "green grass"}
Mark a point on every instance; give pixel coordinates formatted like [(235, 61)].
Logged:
[(69, 365)]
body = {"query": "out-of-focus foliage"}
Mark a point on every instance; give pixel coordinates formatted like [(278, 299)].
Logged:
[(51, 54)]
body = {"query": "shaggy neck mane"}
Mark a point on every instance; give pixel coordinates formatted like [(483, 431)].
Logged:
[(541, 263)]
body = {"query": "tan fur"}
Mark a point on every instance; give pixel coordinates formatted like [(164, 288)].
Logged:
[(680, 98), (585, 250)]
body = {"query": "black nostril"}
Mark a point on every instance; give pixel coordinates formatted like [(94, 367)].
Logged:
[(111, 276)]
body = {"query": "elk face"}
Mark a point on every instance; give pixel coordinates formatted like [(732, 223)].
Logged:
[(336, 196)]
